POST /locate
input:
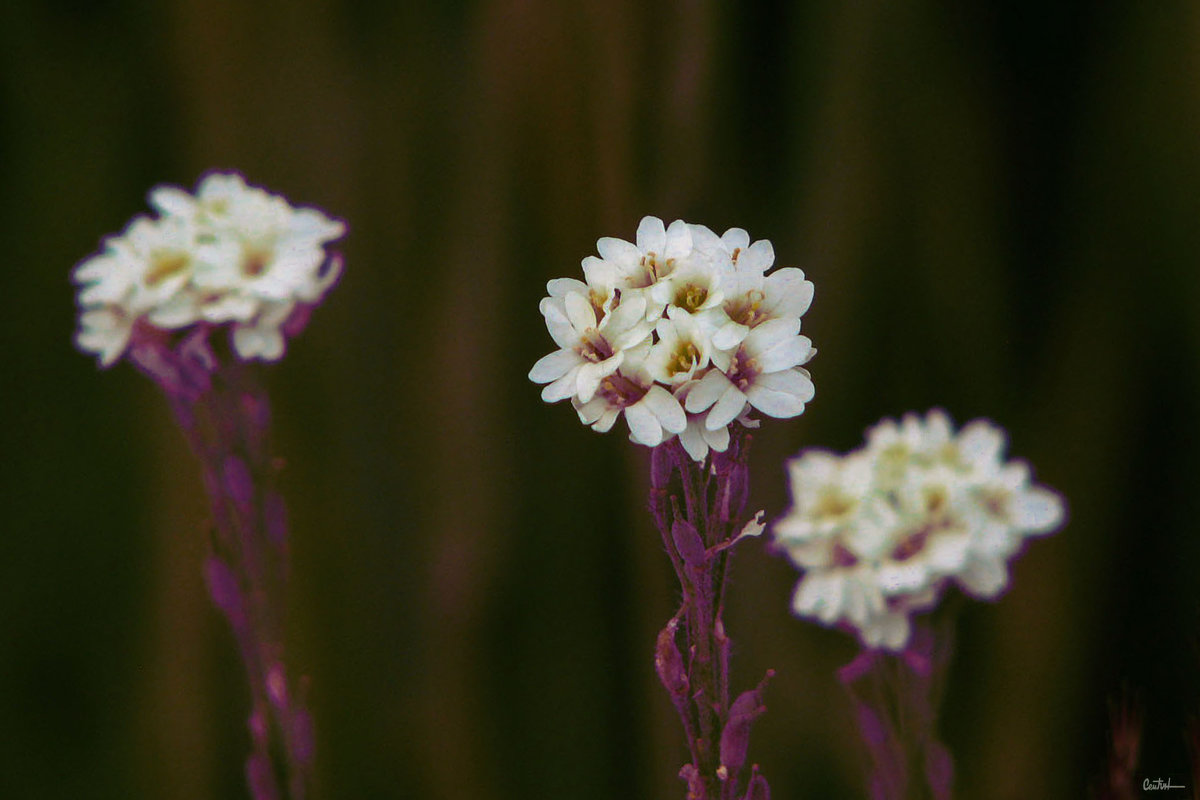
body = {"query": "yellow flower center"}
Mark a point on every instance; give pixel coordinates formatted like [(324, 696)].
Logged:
[(165, 264)]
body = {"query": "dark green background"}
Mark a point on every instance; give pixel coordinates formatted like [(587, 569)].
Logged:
[(998, 205)]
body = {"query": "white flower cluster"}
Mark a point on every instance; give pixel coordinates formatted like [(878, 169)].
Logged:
[(882, 531), (232, 253), (683, 331)]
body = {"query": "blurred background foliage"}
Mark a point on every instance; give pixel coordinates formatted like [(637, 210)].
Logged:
[(998, 205)]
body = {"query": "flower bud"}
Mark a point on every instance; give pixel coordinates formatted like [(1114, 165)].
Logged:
[(260, 779), (758, 788), (688, 543), (238, 483), (662, 465), (695, 786), (735, 737), (224, 590), (669, 663), (275, 519), (302, 736), (939, 770)]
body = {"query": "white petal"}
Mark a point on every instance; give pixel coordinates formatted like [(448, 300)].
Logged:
[(704, 238), (981, 443), (787, 293), (308, 223), (605, 423), (856, 604), (580, 312), (230, 306), (666, 408), (175, 312), (901, 577), (561, 287), (643, 425), (717, 439), (792, 381), (590, 375), (726, 409), (553, 366), (735, 238), (948, 552), (780, 405), (818, 595), (693, 442), (651, 236), (729, 335), (758, 256), (169, 200), (257, 342), (894, 629), (678, 240), (1037, 510), (785, 354), (562, 388), (984, 577), (755, 526), (560, 328), (770, 333), (706, 391), (591, 411), (619, 250), (630, 313)]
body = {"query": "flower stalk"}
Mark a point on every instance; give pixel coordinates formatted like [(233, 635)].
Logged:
[(895, 698), (225, 416), (239, 265), (699, 509)]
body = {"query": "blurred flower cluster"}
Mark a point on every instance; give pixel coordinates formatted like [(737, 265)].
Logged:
[(879, 533), (230, 254), (683, 331)]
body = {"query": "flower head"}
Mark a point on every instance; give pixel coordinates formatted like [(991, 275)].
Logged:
[(682, 328), (230, 255), (881, 532)]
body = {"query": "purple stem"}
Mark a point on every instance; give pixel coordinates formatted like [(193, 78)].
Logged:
[(699, 509), (225, 417), (895, 698)]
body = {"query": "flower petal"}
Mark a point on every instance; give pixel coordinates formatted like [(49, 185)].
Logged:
[(1037, 510), (580, 312), (727, 408), (666, 408), (644, 427), (618, 250), (651, 236), (706, 391), (785, 354), (984, 577), (553, 366)]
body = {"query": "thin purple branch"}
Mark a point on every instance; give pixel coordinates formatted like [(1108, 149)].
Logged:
[(699, 508), (225, 417), (895, 699)]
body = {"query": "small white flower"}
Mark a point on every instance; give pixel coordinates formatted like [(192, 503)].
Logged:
[(760, 372), (828, 492), (105, 331), (733, 249), (696, 438), (881, 532), (589, 349), (262, 337), (231, 253), (696, 286), (681, 351), (652, 413), (752, 299), (665, 300)]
